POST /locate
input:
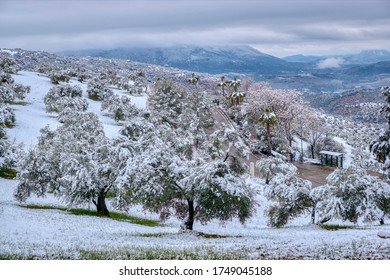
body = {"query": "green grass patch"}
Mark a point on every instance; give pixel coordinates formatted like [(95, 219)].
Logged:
[(44, 207), (335, 227), (215, 236), (152, 234), (195, 233), (21, 103), (113, 215), (134, 220), (7, 173), (155, 253)]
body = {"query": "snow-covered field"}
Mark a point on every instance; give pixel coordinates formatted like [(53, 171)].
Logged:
[(44, 233), (40, 233)]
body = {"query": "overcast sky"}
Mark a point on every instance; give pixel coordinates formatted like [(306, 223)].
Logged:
[(277, 27)]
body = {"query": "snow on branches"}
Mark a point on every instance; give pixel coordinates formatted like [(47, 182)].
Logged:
[(72, 162), (174, 166), (291, 195), (65, 97), (98, 88), (270, 166), (120, 107), (352, 194)]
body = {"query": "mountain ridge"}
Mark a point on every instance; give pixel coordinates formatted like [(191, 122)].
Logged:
[(209, 59)]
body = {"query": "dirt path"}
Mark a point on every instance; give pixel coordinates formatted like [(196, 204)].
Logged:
[(316, 174)]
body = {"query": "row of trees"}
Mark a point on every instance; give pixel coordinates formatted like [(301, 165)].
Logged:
[(10, 92), (98, 85), (349, 195), (171, 160)]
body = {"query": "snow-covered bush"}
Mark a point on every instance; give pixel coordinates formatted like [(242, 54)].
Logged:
[(7, 115), (9, 91), (291, 195), (98, 89), (57, 76), (120, 107), (138, 87), (63, 97), (11, 154), (8, 64), (135, 127), (72, 162), (352, 194), (362, 158), (271, 166)]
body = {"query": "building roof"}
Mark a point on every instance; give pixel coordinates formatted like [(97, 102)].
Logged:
[(331, 153)]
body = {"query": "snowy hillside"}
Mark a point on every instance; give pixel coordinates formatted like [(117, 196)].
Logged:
[(32, 230), (32, 117)]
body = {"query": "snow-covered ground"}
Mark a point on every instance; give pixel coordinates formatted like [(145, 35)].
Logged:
[(57, 234), (39, 233)]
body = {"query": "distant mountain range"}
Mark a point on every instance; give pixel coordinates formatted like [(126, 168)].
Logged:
[(364, 57), (212, 59), (315, 73)]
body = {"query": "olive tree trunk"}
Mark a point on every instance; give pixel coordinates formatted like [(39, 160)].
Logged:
[(101, 206), (189, 224)]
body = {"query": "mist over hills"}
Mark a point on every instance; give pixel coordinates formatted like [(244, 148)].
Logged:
[(364, 57)]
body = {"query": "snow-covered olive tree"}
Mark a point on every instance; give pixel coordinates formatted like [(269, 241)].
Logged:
[(166, 101), (62, 97), (98, 88), (175, 167), (8, 64), (381, 147), (352, 194), (139, 84), (271, 166), (72, 162), (57, 76), (11, 91), (291, 196), (120, 107), (7, 115), (167, 176), (10, 152)]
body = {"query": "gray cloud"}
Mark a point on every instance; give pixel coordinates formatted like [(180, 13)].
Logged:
[(274, 26)]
